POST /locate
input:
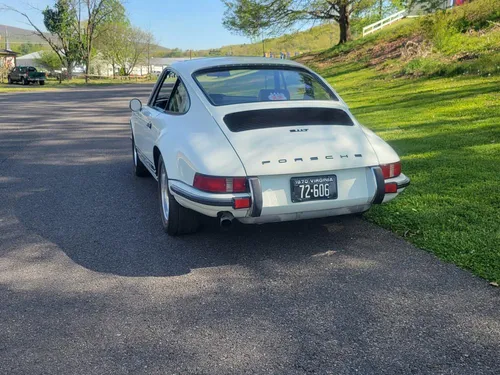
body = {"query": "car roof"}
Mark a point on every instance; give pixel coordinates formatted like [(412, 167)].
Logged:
[(188, 67)]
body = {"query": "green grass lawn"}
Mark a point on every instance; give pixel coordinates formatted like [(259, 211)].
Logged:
[(447, 132), (52, 84)]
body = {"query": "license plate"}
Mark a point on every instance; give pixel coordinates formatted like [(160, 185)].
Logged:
[(313, 188)]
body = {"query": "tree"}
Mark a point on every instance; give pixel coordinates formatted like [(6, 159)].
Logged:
[(111, 43), (138, 42), (93, 17), (250, 17), (60, 22), (428, 6), (124, 46), (49, 61)]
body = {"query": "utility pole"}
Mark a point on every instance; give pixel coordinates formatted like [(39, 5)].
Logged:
[(149, 59), (263, 46)]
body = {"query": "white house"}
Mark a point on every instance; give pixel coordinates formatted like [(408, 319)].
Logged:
[(102, 68)]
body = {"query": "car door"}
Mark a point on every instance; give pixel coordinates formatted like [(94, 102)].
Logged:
[(154, 113), (142, 128), (14, 75), (20, 73), (31, 73)]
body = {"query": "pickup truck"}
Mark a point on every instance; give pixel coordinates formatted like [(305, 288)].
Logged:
[(26, 75)]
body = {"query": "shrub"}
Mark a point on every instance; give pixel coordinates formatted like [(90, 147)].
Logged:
[(422, 67)]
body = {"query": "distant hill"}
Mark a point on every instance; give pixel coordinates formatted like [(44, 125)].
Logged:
[(18, 35), (21, 40), (316, 38)]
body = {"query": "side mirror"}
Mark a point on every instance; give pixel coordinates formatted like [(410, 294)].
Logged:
[(135, 105)]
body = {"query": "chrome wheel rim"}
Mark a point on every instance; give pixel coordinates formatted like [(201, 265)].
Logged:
[(164, 192)]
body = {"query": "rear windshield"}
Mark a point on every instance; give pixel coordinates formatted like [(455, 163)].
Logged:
[(226, 86)]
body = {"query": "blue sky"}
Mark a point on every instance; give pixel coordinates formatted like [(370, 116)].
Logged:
[(186, 24)]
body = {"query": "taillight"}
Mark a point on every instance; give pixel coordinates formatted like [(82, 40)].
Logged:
[(391, 170), (220, 184)]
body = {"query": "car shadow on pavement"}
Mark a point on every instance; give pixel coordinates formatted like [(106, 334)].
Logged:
[(110, 224)]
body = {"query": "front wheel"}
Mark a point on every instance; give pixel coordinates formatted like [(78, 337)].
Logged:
[(175, 218), (10, 81), (41, 83)]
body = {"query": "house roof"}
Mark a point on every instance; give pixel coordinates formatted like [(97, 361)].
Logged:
[(7, 52), (30, 56)]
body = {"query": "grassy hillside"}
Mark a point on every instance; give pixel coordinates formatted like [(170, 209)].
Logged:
[(441, 113)]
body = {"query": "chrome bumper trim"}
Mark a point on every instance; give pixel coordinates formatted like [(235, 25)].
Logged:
[(403, 183), (202, 197)]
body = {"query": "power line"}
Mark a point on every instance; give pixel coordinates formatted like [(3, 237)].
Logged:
[(29, 42)]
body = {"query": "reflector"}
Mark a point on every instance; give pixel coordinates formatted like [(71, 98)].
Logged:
[(241, 203), (391, 188)]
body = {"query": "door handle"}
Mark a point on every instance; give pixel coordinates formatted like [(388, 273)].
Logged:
[(149, 125)]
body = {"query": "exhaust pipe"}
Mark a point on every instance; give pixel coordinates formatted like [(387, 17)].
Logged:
[(226, 220)]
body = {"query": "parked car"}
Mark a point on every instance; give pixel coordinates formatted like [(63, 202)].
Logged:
[(26, 75), (257, 140)]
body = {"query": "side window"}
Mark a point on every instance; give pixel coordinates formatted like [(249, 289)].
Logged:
[(179, 103), (165, 91)]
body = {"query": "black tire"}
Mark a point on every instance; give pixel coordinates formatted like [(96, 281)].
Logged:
[(178, 219), (140, 169), (10, 81), (41, 83), (24, 81)]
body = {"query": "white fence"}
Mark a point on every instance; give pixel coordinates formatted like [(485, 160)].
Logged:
[(384, 22)]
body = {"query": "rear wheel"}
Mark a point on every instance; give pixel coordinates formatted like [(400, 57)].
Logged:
[(175, 218), (140, 169)]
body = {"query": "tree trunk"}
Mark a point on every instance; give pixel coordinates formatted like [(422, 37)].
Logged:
[(69, 70), (345, 32), (87, 66)]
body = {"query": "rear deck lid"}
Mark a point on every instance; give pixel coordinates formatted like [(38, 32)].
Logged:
[(290, 138)]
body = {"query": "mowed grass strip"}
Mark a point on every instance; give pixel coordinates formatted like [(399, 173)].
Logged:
[(52, 84), (447, 132)]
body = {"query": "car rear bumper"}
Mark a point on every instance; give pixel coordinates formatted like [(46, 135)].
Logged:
[(306, 215), (272, 205)]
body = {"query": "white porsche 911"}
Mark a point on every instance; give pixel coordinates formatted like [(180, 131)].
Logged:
[(257, 140)]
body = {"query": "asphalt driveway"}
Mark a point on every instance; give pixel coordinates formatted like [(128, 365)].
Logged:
[(89, 283)]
